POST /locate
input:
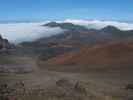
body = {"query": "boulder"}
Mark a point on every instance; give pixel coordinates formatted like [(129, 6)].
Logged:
[(4, 45)]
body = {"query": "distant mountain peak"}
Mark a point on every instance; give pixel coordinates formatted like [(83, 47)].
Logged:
[(65, 25), (51, 24), (110, 28)]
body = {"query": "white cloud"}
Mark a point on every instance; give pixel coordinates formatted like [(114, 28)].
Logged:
[(97, 24), (19, 32)]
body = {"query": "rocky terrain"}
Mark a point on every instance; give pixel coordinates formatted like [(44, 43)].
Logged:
[(78, 64), (114, 53), (4, 45)]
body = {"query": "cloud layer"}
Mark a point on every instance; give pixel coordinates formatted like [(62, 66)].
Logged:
[(97, 24), (19, 32)]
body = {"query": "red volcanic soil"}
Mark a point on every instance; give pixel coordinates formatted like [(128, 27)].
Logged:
[(101, 54)]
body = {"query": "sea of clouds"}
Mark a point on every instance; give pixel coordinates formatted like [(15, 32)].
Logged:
[(20, 32), (98, 24)]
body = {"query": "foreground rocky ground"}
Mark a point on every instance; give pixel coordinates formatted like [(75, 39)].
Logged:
[(49, 84)]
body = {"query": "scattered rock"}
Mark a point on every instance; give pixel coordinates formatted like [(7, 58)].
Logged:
[(79, 87), (129, 87), (64, 83)]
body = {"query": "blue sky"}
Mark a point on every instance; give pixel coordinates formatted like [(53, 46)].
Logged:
[(21, 10)]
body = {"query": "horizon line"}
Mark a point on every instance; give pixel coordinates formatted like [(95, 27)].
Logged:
[(44, 20)]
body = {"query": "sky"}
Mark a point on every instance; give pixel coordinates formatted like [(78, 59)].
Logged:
[(37, 10)]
